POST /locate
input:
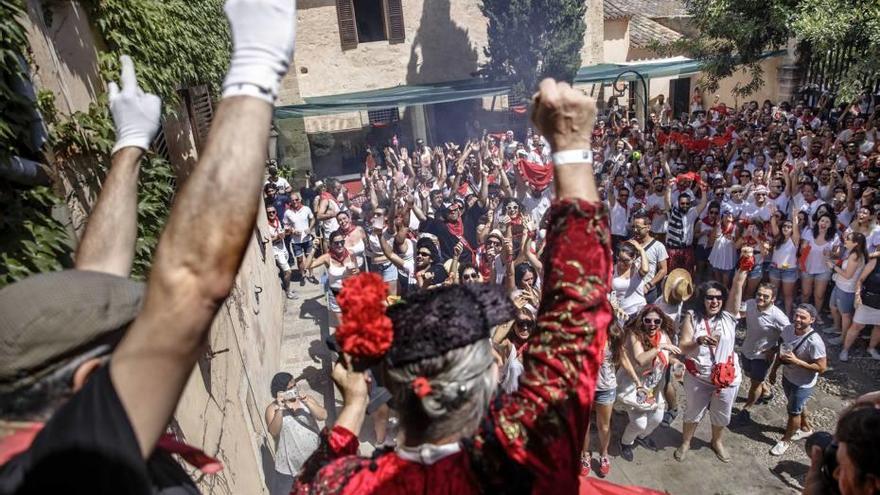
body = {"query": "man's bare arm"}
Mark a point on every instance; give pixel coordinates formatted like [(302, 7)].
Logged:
[(109, 239), (200, 252)]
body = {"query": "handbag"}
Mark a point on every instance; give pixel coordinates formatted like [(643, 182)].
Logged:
[(723, 374), (870, 298)]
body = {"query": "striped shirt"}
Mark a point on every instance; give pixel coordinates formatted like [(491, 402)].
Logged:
[(680, 231)]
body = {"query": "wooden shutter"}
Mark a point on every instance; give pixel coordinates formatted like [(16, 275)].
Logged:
[(201, 113), (347, 27), (396, 33)]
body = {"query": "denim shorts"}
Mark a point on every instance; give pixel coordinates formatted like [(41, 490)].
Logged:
[(387, 270), (845, 302), (826, 276), (757, 271), (797, 397), (605, 397), (756, 369), (303, 248), (784, 274)]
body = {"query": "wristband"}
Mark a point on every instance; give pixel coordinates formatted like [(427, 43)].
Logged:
[(572, 156)]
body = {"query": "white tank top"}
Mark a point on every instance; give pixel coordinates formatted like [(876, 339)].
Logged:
[(335, 274), (785, 256)]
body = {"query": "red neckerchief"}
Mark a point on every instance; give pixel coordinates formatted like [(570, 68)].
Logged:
[(340, 258), (21, 440), (456, 228), (327, 195), (727, 230), (275, 224), (710, 221), (655, 341)]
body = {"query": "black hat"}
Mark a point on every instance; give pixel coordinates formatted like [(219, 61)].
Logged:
[(433, 322)]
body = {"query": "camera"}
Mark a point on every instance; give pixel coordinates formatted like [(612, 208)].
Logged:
[(826, 442), (290, 394)]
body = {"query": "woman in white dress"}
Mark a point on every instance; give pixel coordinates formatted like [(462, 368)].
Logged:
[(708, 336)]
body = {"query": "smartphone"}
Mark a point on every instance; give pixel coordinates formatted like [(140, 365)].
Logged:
[(290, 394)]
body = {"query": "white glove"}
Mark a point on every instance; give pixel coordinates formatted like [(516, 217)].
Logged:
[(135, 113), (262, 39)]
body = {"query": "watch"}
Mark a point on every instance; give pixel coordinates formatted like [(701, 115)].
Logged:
[(573, 156)]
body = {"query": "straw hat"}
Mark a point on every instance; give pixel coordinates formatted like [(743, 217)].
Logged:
[(678, 286)]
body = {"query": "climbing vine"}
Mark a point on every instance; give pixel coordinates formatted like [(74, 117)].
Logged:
[(174, 44)]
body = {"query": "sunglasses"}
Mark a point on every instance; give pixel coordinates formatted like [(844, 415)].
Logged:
[(271, 212), (525, 324), (296, 200), (493, 243), (424, 254), (652, 321), (471, 276), (712, 297), (338, 243)]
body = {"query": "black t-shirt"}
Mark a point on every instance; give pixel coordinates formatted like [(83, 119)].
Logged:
[(90, 447), (471, 219)]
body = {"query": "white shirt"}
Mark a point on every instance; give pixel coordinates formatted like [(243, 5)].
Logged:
[(619, 219), (299, 221), (763, 329), (658, 221), (280, 184), (536, 207), (810, 351)]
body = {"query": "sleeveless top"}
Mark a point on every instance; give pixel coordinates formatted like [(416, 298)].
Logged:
[(299, 437)]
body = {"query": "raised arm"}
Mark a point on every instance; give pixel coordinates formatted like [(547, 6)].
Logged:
[(562, 358), (734, 298), (109, 239), (200, 251)]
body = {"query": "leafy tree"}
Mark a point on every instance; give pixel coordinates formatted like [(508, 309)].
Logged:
[(533, 39), (734, 32)]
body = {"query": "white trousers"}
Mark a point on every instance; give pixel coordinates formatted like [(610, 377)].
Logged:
[(641, 424)]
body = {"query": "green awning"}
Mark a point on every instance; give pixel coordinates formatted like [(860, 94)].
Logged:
[(427, 94)]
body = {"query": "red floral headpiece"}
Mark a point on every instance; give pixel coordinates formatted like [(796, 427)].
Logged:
[(366, 331)]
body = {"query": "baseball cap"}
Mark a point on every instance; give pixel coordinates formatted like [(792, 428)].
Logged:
[(47, 318)]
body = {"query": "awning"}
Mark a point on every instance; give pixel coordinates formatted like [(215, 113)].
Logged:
[(428, 94), (377, 99)]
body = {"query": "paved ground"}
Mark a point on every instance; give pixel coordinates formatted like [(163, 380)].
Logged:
[(752, 470)]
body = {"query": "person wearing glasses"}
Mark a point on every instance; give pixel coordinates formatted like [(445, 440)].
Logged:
[(708, 335), (649, 350), (277, 233), (680, 233), (428, 264), (300, 222), (341, 264)]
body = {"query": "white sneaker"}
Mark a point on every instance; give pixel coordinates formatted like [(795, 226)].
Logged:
[(780, 448), (800, 435), (834, 340), (874, 354), (844, 355)]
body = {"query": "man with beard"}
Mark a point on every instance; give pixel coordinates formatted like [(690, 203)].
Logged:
[(449, 230), (655, 251), (657, 209), (680, 234), (764, 324), (802, 351), (779, 186)]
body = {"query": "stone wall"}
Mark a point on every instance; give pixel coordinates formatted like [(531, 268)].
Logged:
[(224, 401)]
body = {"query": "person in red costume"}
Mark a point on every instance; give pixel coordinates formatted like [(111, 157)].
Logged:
[(458, 435)]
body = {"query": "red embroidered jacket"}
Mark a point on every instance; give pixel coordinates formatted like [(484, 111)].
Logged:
[(530, 441)]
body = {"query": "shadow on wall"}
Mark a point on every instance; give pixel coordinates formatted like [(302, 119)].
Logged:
[(442, 51)]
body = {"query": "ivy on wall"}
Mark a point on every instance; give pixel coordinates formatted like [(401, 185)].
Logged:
[(174, 44)]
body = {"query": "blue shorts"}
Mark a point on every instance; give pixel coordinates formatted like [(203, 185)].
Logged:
[(301, 249), (757, 271), (787, 275), (605, 397), (387, 270), (756, 369), (845, 302), (797, 397), (826, 276)]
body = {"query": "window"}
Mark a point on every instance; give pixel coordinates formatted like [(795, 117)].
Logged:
[(381, 118), (370, 20), (362, 21)]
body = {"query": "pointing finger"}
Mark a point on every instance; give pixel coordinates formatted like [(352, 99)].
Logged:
[(127, 76)]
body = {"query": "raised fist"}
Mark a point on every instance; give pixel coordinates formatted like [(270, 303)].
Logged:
[(565, 116)]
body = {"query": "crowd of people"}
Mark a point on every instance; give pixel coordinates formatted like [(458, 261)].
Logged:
[(476, 294), (765, 216)]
